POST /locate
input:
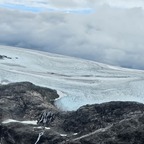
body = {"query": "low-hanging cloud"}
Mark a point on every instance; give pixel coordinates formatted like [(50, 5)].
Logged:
[(110, 35)]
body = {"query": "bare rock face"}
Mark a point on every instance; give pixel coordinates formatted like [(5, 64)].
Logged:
[(17, 133), (25, 101), (107, 123), (92, 117), (4, 57)]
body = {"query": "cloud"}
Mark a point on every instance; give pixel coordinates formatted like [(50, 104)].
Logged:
[(49, 3), (69, 6), (75, 3), (110, 35)]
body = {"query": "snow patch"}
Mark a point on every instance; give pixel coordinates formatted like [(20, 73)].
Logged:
[(40, 127), (63, 135), (47, 128), (61, 95), (16, 121)]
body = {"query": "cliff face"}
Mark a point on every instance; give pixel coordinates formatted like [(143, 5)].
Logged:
[(107, 123)]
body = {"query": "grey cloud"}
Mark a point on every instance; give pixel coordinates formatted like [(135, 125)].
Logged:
[(93, 3), (111, 35), (63, 3), (72, 3), (75, 3)]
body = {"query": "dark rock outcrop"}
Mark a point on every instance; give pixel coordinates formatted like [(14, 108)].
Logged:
[(4, 57), (16, 133), (107, 123), (92, 117), (25, 101)]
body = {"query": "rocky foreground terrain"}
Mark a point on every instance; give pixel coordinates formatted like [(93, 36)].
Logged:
[(107, 123)]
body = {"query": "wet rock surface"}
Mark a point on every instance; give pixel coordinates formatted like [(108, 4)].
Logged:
[(107, 123)]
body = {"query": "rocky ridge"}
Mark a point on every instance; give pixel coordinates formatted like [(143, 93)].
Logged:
[(4, 57), (107, 123)]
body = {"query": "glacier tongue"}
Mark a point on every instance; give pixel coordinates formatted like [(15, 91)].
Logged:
[(77, 81)]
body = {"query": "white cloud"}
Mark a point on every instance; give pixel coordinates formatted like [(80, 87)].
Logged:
[(68, 6), (110, 35), (76, 3), (49, 3)]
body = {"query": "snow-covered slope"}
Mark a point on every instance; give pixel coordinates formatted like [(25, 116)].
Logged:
[(78, 81)]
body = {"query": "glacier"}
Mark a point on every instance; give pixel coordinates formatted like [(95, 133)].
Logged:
[(77, 81)]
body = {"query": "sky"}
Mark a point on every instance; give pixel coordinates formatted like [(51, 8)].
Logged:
[(106, 31)]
